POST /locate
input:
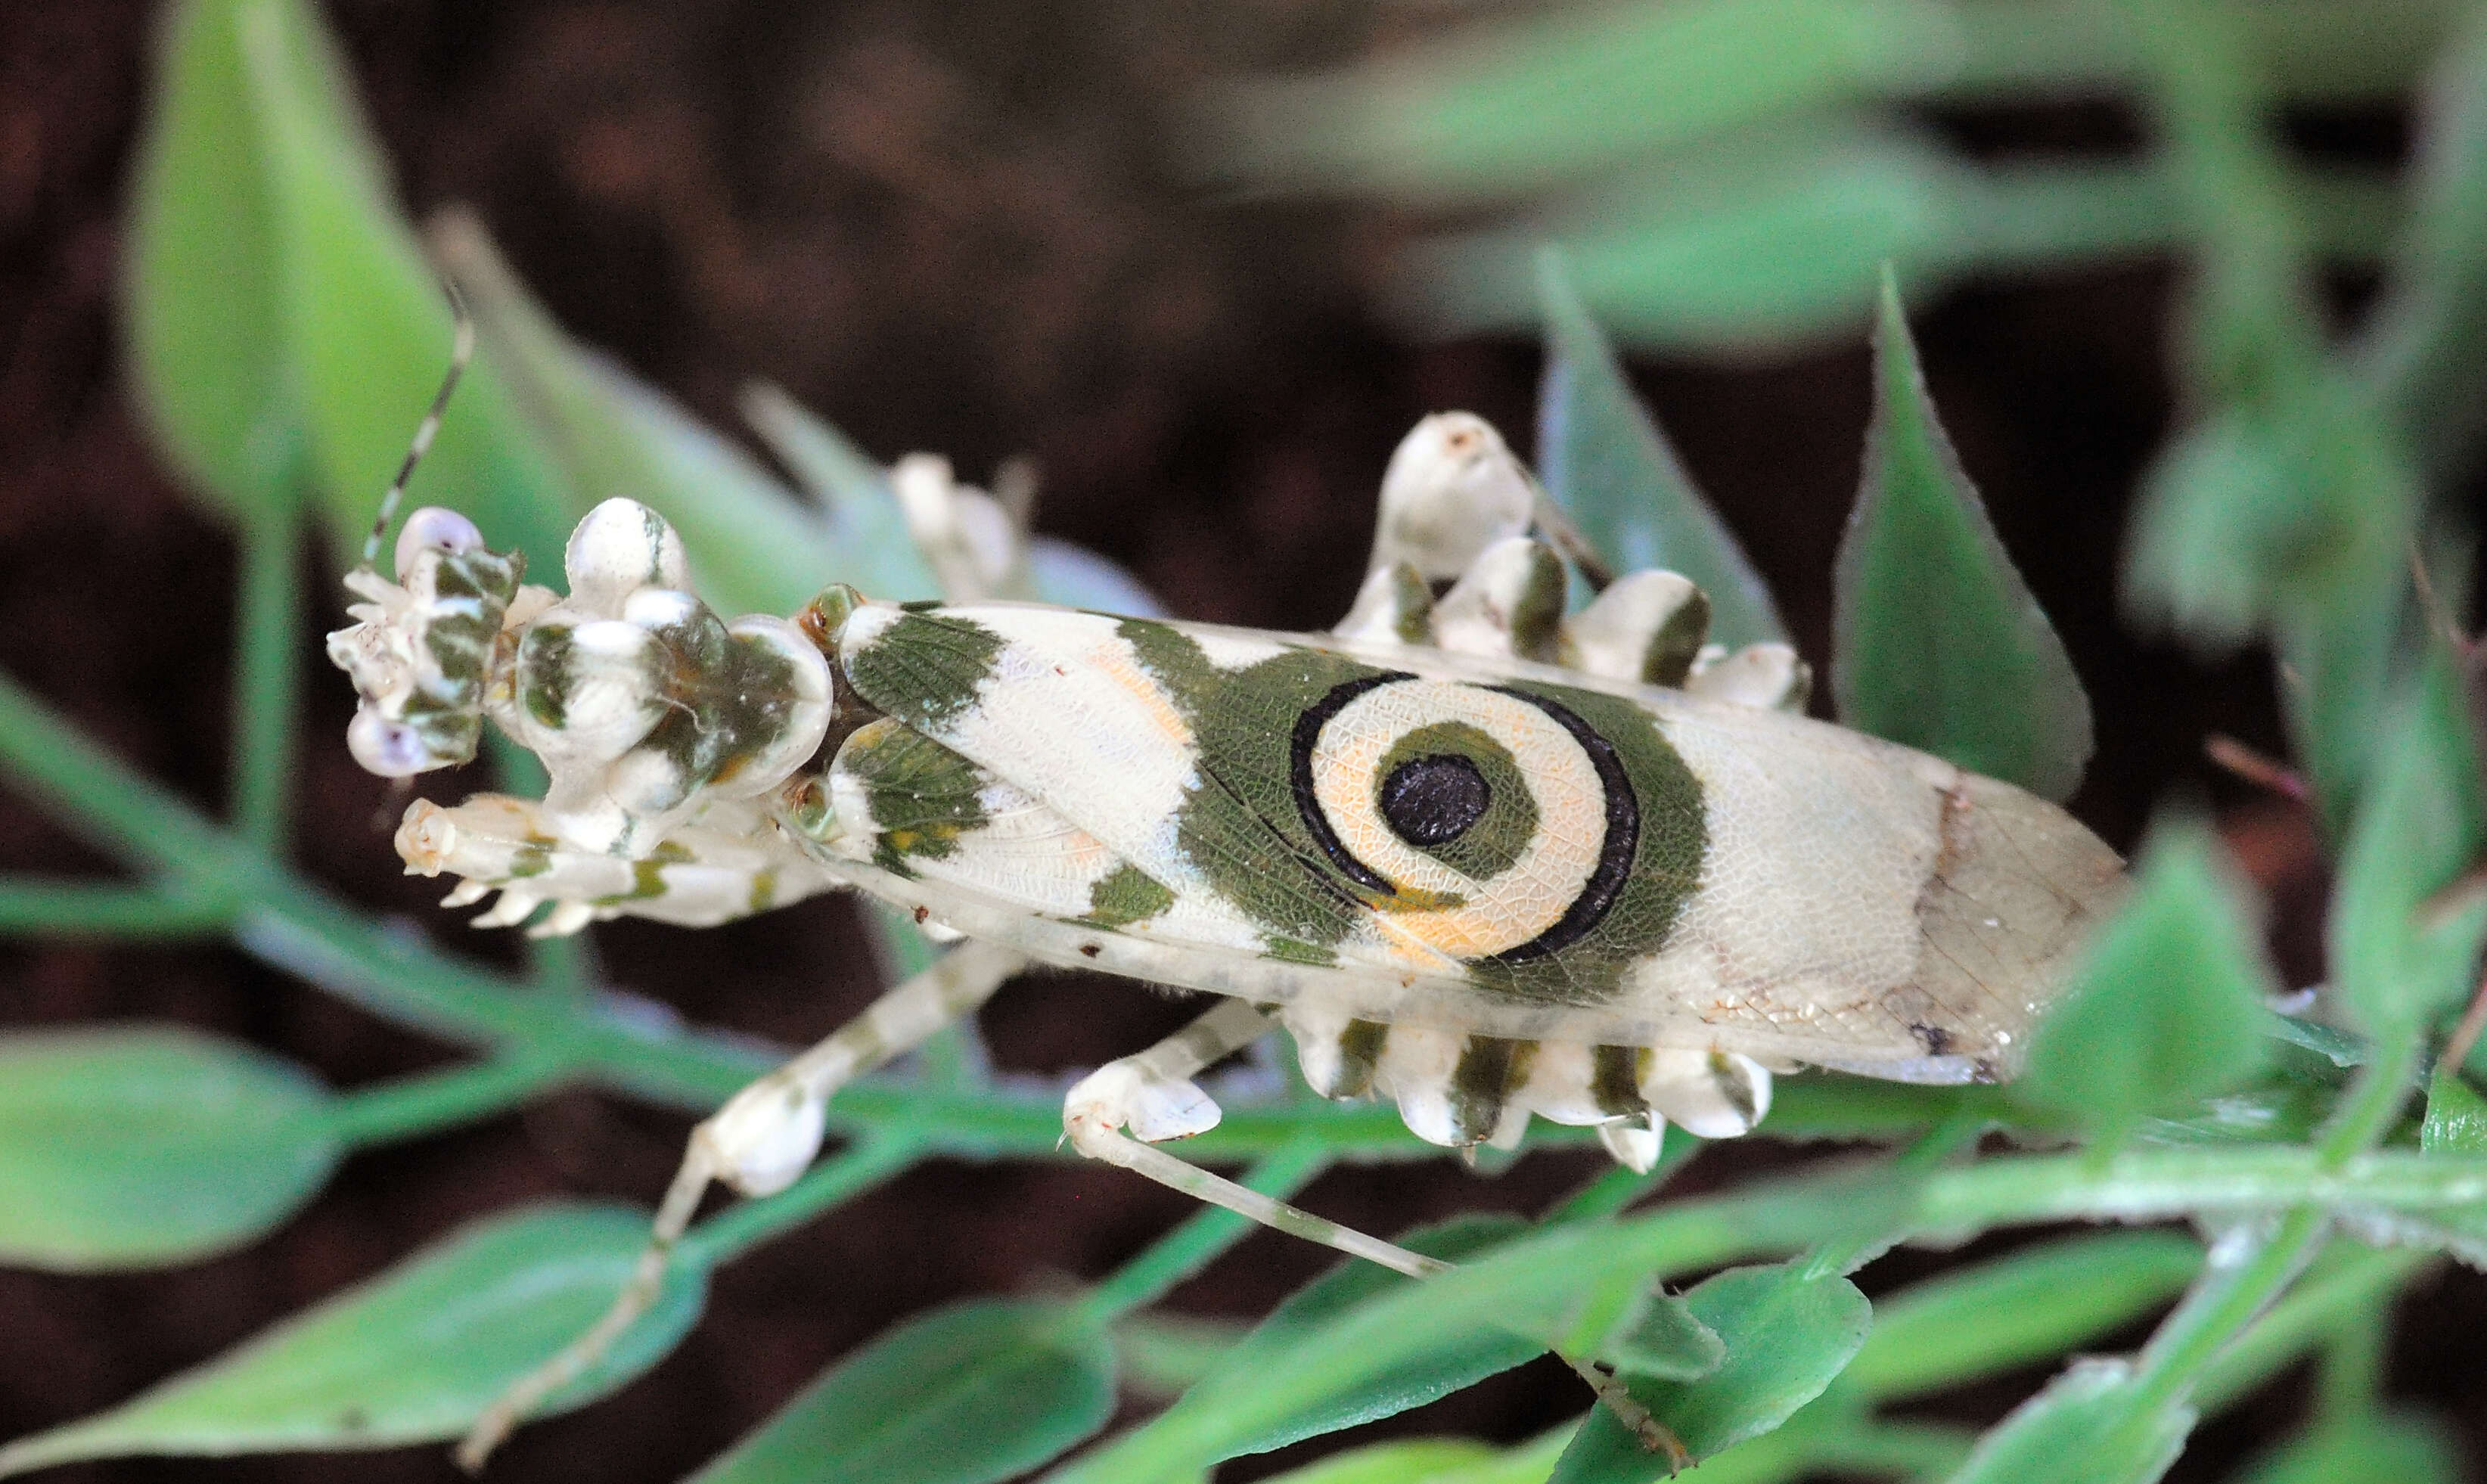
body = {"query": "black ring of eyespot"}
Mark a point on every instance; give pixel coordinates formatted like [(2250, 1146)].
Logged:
[(1615, 852)]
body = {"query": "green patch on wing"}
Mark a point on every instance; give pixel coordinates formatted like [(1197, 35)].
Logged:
[(1126, 895), (1289, 950), (1241, 827), (924, 668), (923, 797)]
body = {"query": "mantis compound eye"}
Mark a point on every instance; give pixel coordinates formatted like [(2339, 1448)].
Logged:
[(434, 529), (391, 749)]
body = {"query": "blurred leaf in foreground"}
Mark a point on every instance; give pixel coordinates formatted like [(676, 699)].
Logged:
[(2169, 1004), (133, 1147), (411, 1355), (967, 1394), (2089, 1426)]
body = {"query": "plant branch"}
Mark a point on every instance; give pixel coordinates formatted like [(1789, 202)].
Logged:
[(83, 908), (410, 1107), (266, 676)]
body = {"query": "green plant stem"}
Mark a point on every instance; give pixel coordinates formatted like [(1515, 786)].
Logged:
[(1204, 1234), (77, 909), (2332, 1296), (2031, 217), (410, 1107), (2357, 49), (2351, 1381), (1845, 1252), (737, 1229), (1545, 1273), (266, 674), (559, 967), (2220, 1309), (1928, 1450)]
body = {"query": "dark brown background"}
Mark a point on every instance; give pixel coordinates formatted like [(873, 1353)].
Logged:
[(948, 227)]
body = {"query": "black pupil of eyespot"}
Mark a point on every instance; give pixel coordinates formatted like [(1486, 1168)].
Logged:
[(1431, 800)]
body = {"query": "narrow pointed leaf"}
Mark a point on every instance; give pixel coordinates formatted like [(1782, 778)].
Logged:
[(2395, 1447), (2456, 1116), (754, 545), (212, 370), (2419, 827), (2422, 351), (968, 1394), (2089, 1426), (1416, 1461), (125, 1148), (1604, 459), (1565, 93), (866, 526), (365, 322), (411, 1355), (1469, 1358), (1788, 1337), (2169, 1004), (2028, 1307), (1936, 640)]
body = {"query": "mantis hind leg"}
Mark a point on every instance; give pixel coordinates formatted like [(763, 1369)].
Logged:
[(1152, 1094)]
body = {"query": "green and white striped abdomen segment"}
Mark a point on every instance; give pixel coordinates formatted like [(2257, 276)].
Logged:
[(1374, 835)]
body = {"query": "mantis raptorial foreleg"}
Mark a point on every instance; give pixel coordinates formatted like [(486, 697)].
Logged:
[(758, 1143)]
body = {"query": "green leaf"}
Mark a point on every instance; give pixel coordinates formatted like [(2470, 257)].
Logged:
[(755, 547), (974, 1393), (1466, 1361), (2343, 652), (2168, 1005), (869, 531), (2420, 352), (364, 319), (1416, 1461), (2456, 1116), (2269, 510), (866, 526), (411, 1355), (125, 1148), (1936, 640), (210, 365), (1788, 1337), (2418, 829), (2029, 1306), (1758, 241), (2392, 1448), (1663, 1338), (1504, 108), (1604, 460), (2086, 1427)]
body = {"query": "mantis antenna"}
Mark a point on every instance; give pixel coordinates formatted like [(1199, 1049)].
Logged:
[(462, 350)]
